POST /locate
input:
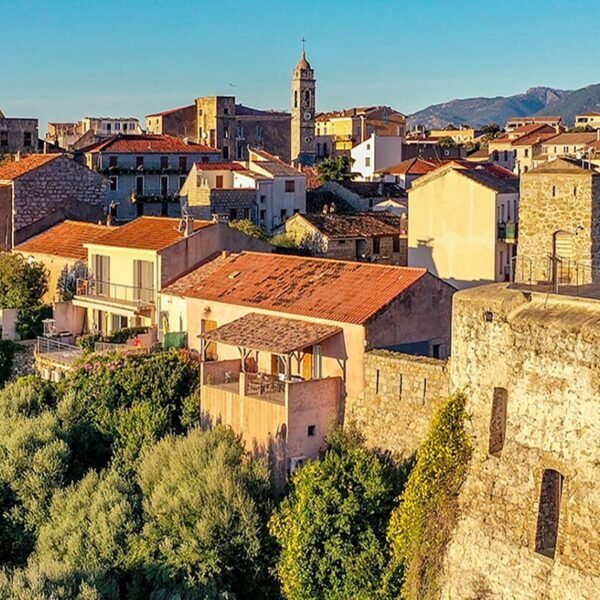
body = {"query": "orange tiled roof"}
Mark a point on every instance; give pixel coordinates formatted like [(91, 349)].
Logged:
[(65, 239), (414, 166), (148, 233), (220, 166), (17, 168), (147, 144), (341, 291)]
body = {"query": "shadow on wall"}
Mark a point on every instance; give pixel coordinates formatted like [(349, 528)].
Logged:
[(422, 256)]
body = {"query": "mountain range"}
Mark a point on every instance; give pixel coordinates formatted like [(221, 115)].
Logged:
[(484, 111)]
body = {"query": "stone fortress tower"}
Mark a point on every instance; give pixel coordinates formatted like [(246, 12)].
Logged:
[(304, 86)]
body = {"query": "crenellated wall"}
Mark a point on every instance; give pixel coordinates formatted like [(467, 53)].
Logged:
[(400, 396)]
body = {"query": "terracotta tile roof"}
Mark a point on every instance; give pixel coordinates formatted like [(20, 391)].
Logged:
[(413, 166), (495, 180), (165, 113), (65, 239), (572, 139), (220, 166), (513, 137), (17, 168), (532, 139), (550, 119), (148, 233), (357, 225), (341, 291), (563, 165), (271, 334), (147, 144), (246, 111)]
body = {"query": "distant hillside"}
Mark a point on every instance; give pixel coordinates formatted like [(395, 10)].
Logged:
[(583, 100), (482, 111)]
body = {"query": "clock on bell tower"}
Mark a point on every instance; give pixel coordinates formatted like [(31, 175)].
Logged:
[(304, 86)]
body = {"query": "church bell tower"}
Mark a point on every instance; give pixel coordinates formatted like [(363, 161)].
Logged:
[(304, 87)]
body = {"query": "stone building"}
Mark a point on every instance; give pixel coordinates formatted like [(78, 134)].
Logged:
[(145, 172), (231, 127), (179, 122), (73, 136), (18, 135), (41, 190), (288, 336), (529, 365), (559, 217), (376, 237), (263, 189)]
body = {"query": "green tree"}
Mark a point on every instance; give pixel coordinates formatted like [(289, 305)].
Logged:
[(248, 227), (332, 525), (90, 527), (204, 505), (335, 169), (421, 526), (22, 284)]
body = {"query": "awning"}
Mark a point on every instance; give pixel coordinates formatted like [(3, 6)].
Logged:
[(277, 335)]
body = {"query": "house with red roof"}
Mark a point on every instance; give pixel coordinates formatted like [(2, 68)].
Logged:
[(40, 190), (263, 189), (282, 338), (145, 172), (129, 264)]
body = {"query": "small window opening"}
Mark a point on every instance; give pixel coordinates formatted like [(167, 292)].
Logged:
[(549, 511), (498, 421), (312, 430)]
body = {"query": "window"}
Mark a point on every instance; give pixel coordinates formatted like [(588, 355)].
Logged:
[(526, 152), (290, 185), (114, 183), (113, 162), (27, 138), (3, 138), (367, 161), (226, 152), (246, 213), (376, 245), (164, 162), (259, 131), (548, 513), (311, 431), (233, 214), (182, 179), (108, 127), (164, 185), (377, 381), (498, 421), (435, 350), (501, 263), (263, 199), (226, 133), (139, 162), (139, 186), (554, 191), (396, 243), (296, 211), (506, 155), (219, 181), (263, 215), (226, 110), (296, 99), (183, 163), (118, 126)]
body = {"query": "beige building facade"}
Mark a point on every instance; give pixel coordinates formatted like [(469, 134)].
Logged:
[(462, 223)]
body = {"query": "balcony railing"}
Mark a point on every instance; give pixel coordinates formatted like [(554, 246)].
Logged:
[(128, 294), (508, 232)]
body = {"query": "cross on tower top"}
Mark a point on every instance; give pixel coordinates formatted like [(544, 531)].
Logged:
[(303, 40)]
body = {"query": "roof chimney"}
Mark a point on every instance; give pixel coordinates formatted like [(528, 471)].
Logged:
[(598, 134), (189, 226), (225, 254), (18, 156)]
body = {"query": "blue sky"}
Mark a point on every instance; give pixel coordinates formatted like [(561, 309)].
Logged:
[(63, 59)]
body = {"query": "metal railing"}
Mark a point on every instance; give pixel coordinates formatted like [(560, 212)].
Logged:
[(126, 348), (557, 275), (508, 232), (96, 288)]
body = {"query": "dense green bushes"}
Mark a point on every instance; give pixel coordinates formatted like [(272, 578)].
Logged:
[(421, 526), (7, 358), (110, 489)]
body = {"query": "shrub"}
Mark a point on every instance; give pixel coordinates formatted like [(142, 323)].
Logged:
[(249, 228), (332, 525), (22, 283), (204, 505), (421, 526), (7, 358), (29, 320)]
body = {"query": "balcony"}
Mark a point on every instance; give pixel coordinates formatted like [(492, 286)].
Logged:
[(104, 294), (154, 195), (508, 232)]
